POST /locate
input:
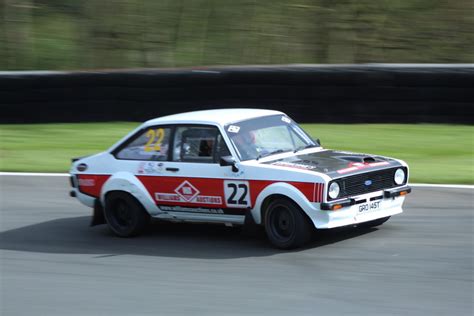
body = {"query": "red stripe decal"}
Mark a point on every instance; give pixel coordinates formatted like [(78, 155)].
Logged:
[(91, 184), (195, 192), (205, 192)]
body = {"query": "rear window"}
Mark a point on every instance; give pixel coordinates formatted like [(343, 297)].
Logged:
[(152, 144)]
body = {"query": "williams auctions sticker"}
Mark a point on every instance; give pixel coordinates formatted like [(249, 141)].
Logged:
[(188, 193)]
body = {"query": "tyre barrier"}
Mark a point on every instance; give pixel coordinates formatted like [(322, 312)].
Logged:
[(308, 93)]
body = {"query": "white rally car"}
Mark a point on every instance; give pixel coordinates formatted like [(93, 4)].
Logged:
[(236, 166)]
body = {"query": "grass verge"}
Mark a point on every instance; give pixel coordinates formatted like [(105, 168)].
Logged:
[(436, 153)]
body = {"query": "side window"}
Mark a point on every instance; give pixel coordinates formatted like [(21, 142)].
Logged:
[(152, 144), (197, 144)]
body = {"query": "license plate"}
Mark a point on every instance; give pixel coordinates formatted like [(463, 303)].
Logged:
[(369, 207)]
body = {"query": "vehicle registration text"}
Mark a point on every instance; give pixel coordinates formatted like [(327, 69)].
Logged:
[(369, 207)]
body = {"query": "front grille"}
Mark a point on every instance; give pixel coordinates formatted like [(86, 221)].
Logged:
[(355, 185)]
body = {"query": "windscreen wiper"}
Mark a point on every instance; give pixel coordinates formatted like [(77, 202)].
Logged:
[(304, 147), (272, 153)]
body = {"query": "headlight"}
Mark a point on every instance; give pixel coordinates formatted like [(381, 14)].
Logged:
[(333, 190), (399, 177)]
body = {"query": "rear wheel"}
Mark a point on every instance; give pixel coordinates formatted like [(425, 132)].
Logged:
[(286, 225), (125, 216)]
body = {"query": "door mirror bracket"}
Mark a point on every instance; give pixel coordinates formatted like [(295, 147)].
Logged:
[(228, 161)]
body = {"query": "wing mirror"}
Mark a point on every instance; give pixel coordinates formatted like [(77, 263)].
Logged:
[(318, 141), (228, 161)]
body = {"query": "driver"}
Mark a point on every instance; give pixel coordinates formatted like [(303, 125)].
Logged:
[(245, 143)]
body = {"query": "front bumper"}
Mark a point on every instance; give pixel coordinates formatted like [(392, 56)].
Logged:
[(353, 211), (339, 204)]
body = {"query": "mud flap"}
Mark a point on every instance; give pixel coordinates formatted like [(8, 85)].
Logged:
[(98, 217), (251, 228)]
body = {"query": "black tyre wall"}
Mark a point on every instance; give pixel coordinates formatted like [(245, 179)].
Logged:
[(319, 93)]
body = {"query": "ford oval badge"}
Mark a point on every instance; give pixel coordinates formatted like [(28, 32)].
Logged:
[(82, 167), (368, 182)]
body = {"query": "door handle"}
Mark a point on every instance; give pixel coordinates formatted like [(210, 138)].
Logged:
[(172, 169)]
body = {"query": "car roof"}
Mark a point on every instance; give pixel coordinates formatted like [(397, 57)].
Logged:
[(219, 116)]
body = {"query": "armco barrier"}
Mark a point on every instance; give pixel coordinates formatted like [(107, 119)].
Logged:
[(308, 93)]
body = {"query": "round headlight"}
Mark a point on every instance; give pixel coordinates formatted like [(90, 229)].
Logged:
[(399, 177), (334, 190)]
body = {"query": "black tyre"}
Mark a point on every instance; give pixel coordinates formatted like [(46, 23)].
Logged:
[(125, 216), (286, 225), (375, 222)]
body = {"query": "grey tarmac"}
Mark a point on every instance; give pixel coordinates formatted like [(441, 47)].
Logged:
[(53, 263)]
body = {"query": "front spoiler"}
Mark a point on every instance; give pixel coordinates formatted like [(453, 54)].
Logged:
[(389, 193)]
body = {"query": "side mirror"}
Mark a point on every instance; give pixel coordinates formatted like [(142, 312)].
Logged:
[(228, 161), (318, 141)]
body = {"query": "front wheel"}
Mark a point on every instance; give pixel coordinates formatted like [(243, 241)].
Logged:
[(286, 225), (125, 216)]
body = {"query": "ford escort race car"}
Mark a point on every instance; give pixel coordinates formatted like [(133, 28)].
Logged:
[(236, 167)]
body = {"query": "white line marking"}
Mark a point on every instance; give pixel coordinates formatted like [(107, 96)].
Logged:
[(426, 185), (34, 174), (454, 186)]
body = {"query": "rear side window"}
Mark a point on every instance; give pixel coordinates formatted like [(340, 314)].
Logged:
[(152, 144)]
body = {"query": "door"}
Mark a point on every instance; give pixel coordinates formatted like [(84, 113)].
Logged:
[(192, 179)]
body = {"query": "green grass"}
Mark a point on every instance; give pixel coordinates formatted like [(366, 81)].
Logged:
[(436, 153), (50, 147)]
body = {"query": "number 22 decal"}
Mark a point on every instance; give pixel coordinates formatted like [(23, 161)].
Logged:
[(159, 134), (237, 194)]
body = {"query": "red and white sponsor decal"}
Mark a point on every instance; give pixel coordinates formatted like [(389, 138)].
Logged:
[(292, 165), (86, 182), (91, 184), (186, 192), (354, 166)]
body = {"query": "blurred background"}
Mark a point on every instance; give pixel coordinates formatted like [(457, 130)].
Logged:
[(374, 70), (71, 34)]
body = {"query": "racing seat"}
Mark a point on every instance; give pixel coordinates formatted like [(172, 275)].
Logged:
[(197, 145)]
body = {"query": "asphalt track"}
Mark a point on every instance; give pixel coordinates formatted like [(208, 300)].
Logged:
[(53, 263)]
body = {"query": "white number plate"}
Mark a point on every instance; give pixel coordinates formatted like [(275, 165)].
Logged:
[(369, 207), (237, 194)]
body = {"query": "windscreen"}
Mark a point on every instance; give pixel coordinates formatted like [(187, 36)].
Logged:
[(265, 136)]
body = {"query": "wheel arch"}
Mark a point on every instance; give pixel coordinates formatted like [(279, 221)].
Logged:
[(129, 183), (269, 199), (280, 190)]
